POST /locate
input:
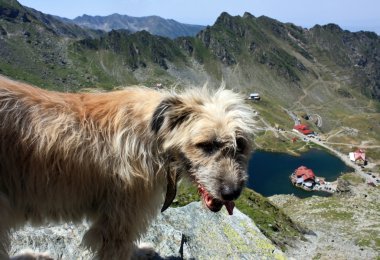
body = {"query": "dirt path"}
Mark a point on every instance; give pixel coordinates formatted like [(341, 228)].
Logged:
[(269, 127), (342, 156), (364, 146)]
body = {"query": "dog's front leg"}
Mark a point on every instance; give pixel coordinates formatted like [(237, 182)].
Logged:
[(110, 241)]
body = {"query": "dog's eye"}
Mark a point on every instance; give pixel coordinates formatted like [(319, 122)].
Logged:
[(208, 147), (241, 144)]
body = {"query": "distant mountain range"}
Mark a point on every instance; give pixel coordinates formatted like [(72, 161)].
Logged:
[(323, 68), (152, 24)]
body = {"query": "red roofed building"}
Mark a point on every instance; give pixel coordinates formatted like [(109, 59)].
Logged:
[(300, 171), (358, 157), (305, 173), (309, 175), (303, 129), (304, 177)]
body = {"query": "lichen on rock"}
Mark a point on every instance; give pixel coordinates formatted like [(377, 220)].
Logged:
[(189, 232)]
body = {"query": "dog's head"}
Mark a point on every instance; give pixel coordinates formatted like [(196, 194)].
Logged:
[(208, 138)]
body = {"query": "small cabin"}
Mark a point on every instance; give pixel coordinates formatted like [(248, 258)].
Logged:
[(358, 157), (254, 96), (305, 177)]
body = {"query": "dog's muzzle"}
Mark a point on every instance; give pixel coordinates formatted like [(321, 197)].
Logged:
[(214, 204)]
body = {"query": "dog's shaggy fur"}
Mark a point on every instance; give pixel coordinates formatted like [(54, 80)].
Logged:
[(111, 157)]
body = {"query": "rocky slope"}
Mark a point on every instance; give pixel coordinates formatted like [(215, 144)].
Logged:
[(12, 11), (346, 226), (139, 49), (34, 45), (190, 232)]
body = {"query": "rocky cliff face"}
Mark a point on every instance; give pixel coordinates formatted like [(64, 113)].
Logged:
[(190, 232), (345, 226), (138, 49)]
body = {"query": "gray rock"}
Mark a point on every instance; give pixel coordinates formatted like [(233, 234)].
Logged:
[(343, 185), (59, 241), (190, 232)]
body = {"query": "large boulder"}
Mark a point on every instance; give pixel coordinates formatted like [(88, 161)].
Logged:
[(190, 232)]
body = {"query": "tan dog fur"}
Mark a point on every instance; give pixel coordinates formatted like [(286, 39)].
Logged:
[(111, 157)]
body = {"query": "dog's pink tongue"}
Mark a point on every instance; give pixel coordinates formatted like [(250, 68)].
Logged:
[(230, 206)]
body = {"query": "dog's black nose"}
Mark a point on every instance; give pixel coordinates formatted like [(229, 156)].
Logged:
[(229, 193)]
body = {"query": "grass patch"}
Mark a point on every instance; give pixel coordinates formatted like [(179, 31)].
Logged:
[(337, 215), (352, 178), (328, 203), (273, 113), (269, 142), (371, 240), (186, 194)]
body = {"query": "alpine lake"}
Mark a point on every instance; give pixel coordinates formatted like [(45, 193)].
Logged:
[(269, 171)]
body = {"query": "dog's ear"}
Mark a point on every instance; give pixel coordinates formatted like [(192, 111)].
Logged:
[(170, 113), (171, 189)]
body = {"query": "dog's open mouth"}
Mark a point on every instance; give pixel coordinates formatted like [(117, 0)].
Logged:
[(215, 204)]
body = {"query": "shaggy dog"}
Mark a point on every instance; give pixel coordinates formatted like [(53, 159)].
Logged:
[(115, 158)]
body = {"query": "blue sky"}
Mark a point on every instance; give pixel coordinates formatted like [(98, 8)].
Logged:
[(349, 14)]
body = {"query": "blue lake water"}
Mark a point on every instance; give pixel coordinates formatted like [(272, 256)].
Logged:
[(269, 172)]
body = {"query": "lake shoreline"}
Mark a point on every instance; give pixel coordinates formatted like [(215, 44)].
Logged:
[(269, 171)]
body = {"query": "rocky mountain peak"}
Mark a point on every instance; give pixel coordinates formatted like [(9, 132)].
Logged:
[(227, 21), (12, 10), (223, 17), (10, 3), (332, 27), (248, 15)]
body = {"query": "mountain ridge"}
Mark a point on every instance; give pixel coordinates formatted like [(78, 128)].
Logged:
[(288, 52), (154, 24)]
